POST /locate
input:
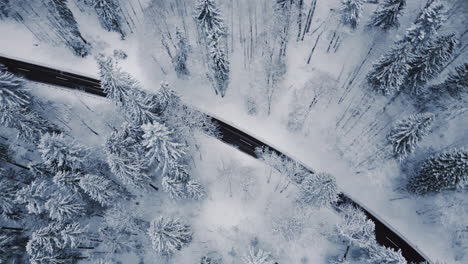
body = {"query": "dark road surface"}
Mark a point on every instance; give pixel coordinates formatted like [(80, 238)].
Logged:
[(246, 143)]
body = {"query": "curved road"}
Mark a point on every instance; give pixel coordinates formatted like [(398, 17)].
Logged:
[(385, 234)]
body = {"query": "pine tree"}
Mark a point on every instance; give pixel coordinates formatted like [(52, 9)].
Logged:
[(451, 95), (256, 256), (426, 25), (68, 179), (12, 247), (175, 188), (448, 170), (319, 190), (72, 234), (35, 195), (194, 190), (390, 72), (67, 26), (48, 244), (181, 56), (430, 60), (457, 81), (219, 64), (63, 206), (115, 83), (213, 32), (8, 190), (138, 106), (60, 153), (12, 91), (110, 16), (5, 9), (387, 15), (167, 97), (124, 155), (45, 239), (209, 18), (100, 189), (28, 124), (351, 12), (383, 255), (118, 240), (356, 229), (408, 132), (161, 145), (169, 235)]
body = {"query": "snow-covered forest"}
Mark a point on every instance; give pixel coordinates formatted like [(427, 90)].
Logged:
[(363, 97)]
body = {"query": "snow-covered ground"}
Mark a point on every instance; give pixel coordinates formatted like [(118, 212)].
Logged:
[(344, 134)]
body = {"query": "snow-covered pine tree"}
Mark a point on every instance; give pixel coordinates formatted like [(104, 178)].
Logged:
[(71, 234), (61, 153), (141, 107), (161, 146), (35, 195), (110, 16), (181, 56), (64, 206), (27, 123), (12, 91), (212, 32), (48, 244), (256, 256), (319, 190), (448, 170), (67, 27), (408, 132), (194, 190), (45, 240), (115, 82), (451, 95), (125, 157), (356, 228), (457, 81), (118, 239), (12, 246), (68, 179), (219, 64), (8, 190), (383, 255), (167, 97), (174, 187), (389, 73), (100, 189), (427, 24), (5, 9), (387, 15), (429, 61), (282, 24), (138, 106), (169, 235), (351, 12), (209, 18)]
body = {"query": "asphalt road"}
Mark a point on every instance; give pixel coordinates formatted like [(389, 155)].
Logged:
[(246, 143)]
